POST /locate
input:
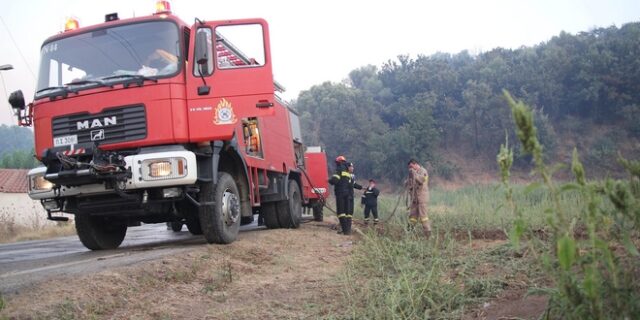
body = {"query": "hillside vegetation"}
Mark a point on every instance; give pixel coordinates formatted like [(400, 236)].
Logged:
[(16, 148), (443, 107)]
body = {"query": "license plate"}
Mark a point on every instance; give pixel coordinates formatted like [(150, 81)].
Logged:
[(65, 140)]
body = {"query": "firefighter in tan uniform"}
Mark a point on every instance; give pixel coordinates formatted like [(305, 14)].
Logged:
[(417, 183)]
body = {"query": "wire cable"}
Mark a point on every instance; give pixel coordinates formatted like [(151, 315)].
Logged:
[(33, 75)]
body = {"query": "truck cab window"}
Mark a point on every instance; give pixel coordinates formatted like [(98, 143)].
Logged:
[(149, 49), (62, 73), (240, 46)]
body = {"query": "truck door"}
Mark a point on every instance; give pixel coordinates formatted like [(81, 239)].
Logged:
[(229, 76)]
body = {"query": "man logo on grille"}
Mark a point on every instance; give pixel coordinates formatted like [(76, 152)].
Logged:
[(97, 135)]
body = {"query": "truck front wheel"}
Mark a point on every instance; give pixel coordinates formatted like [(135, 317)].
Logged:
[(220, 221), (97, 233)]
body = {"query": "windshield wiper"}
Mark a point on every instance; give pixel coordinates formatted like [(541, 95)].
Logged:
[(132, 78), (83, 82), (58, 91), (98, 83), (52, 88)]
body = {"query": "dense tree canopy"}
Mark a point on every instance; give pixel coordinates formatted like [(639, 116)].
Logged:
[(426, 106), (16, 148)]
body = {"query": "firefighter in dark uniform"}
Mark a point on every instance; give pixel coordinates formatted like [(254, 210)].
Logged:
[(370, 202), (343, 184)]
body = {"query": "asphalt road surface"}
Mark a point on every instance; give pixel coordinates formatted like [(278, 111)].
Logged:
[(24, 264)]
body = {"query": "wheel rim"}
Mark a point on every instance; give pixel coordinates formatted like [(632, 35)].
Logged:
[(230, 207)]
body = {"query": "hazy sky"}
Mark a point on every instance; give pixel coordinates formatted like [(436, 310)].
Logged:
[(317, 41)]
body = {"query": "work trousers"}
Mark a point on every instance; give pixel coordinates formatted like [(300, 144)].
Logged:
[(344, 207), (370, 209)]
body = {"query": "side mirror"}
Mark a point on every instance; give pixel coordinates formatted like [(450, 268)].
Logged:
[(201, 50), (16, 99), (22, 111)]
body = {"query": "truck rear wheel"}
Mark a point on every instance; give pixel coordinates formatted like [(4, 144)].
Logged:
[(220, 222), (98, 233), (193, 224), (191, 217), (270, 215), (290, 211), (317, 211), (176, 226)]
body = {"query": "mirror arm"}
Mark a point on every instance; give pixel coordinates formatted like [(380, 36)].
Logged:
[(25, 115), (204, 89)]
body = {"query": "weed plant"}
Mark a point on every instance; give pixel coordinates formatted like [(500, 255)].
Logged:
[(593, 259)]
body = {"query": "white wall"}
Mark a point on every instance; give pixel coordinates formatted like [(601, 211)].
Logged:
[(21, 210)]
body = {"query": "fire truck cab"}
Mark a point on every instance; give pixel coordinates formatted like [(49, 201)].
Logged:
[(151, 120)]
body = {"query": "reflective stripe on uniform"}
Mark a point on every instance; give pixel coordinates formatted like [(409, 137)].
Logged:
[(424, 219), (337, 176), (342, 215), (413, 220), (345, 174), (348, 216)]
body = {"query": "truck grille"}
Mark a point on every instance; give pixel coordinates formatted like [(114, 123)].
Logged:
[(118, 124)]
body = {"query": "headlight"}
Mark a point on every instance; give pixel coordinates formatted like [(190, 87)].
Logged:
[(38, 183), (162, 169)]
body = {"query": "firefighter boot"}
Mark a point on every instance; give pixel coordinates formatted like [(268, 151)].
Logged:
[(341, 230), (426, 229), (347, 226)]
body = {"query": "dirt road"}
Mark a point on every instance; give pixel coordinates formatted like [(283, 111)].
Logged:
[(158, 274)]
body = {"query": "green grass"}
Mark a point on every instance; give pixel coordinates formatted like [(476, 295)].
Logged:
[(580, 238), (397, 274), (477, 208)]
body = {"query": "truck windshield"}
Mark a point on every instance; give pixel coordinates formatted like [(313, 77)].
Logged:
[(149, 49)]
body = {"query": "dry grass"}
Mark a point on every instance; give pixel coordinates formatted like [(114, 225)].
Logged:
[(266, 274), (46, 232), (32, 225), (12, 232)]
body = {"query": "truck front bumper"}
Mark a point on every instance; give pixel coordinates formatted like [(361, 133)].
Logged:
[(148, 170)]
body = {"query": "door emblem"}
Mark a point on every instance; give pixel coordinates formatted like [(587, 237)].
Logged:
[(224, 113)]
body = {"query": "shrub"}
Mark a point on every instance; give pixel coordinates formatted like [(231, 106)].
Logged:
[(593, 260)]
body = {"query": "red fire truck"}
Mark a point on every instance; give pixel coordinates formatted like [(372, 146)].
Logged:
[(150, 120)]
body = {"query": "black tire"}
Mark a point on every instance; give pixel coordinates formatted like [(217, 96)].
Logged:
[(318, 215), (220, 222), (246, 220), (193, 224), (290, 211), (176, 226), (270, 215), (191, 217), (98, 233)]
